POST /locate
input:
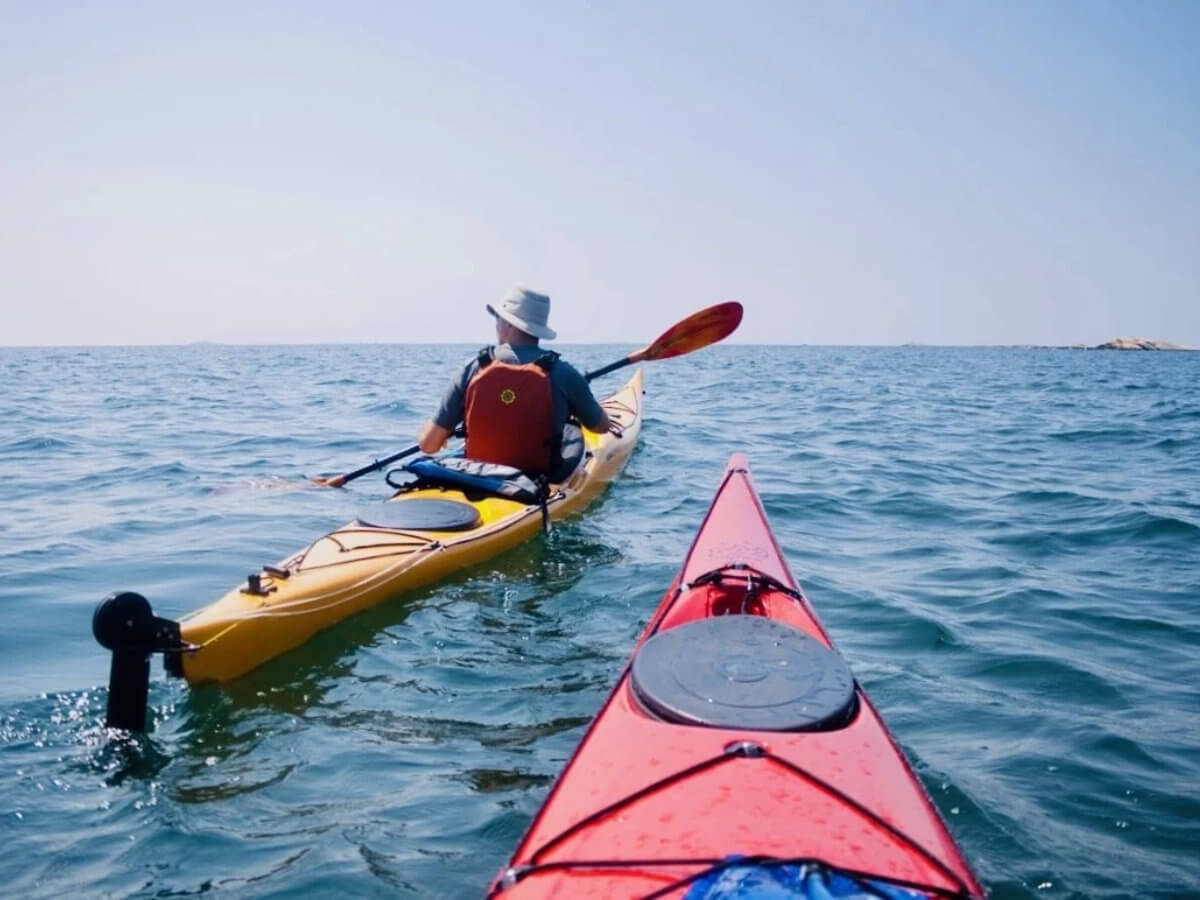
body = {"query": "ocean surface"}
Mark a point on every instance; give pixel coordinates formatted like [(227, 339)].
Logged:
[(1005, 544)]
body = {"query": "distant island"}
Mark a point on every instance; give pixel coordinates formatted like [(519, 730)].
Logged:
[(1126, 343), (1121, 343), (1135, 343)]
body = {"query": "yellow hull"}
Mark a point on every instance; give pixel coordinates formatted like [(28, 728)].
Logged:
[(358, 566)]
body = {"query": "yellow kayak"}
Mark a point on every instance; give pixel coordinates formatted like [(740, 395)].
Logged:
[(449, 513), (366, 562)]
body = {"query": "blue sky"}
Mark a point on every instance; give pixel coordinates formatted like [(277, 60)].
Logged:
[(854, 173)]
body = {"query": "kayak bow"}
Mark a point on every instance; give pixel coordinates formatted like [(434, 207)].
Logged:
[(737, 750)]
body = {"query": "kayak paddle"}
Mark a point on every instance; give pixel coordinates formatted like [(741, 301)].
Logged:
[(699, 330), (693, 333), (339, 480)]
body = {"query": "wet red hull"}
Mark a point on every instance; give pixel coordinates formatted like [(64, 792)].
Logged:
[(844, 796)]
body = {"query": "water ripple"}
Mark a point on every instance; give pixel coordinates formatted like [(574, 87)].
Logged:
[(1003, 543)]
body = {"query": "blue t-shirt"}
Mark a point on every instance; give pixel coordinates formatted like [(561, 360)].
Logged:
[(572, 394)]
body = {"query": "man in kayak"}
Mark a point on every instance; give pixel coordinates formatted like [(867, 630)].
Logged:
[(516, 398)]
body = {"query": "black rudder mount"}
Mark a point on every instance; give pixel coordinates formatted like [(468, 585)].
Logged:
[(125, 624)]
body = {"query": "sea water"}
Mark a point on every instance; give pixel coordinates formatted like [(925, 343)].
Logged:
[(1003, 542)]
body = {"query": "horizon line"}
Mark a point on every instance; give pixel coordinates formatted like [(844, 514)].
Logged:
[(901, 345)]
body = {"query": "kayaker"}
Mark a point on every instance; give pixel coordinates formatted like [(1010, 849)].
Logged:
[(516, 398)]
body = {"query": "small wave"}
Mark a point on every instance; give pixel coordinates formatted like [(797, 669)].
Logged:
[(390, 407), (1177, 415), (1138, 628), (269, 483), (487, 781), (802, 505), (337, 382), (1142, 386), (37, 444), (1099, 435), (1171, 443), (256, 441), (125, 473), (58, 550), (963, 576), (1120, 752), (924, 632), (916, 507), (1048, 677), (1051, 497), (35, 733), (213, 378), (1139, 527)]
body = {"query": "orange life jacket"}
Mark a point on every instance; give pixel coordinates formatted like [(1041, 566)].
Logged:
[(510, 413)]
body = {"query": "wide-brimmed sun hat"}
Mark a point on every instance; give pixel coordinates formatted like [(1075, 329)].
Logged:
[(527, 310)]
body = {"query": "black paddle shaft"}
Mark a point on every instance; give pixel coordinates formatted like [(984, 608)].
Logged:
[(380, 463), (611, 367)]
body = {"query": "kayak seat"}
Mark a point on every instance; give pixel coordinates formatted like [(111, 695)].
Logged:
[(421, 513), (745, 672), (472, 476)]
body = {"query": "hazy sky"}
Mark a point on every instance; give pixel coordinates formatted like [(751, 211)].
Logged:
[(862, 172)]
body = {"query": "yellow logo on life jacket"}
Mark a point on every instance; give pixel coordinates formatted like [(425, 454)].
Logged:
[(508, 396)]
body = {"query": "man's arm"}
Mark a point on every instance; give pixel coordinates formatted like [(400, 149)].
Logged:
[(440, 428), (433, 437), (582, 404)]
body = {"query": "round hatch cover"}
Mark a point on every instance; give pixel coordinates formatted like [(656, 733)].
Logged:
[(422, 514), (744, 671)]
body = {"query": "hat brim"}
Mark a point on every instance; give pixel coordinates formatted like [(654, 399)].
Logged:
[(538, 331)]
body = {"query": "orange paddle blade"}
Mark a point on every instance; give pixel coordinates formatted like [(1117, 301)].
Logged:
[(698, 330)]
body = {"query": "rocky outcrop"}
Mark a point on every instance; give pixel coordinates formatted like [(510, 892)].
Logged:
[(1133, 343)]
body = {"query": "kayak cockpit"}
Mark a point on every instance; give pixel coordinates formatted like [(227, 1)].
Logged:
[(743, 671), (732, 653), (421, 514)]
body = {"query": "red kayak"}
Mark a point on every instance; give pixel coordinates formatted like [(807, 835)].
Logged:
[(737, 756)]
